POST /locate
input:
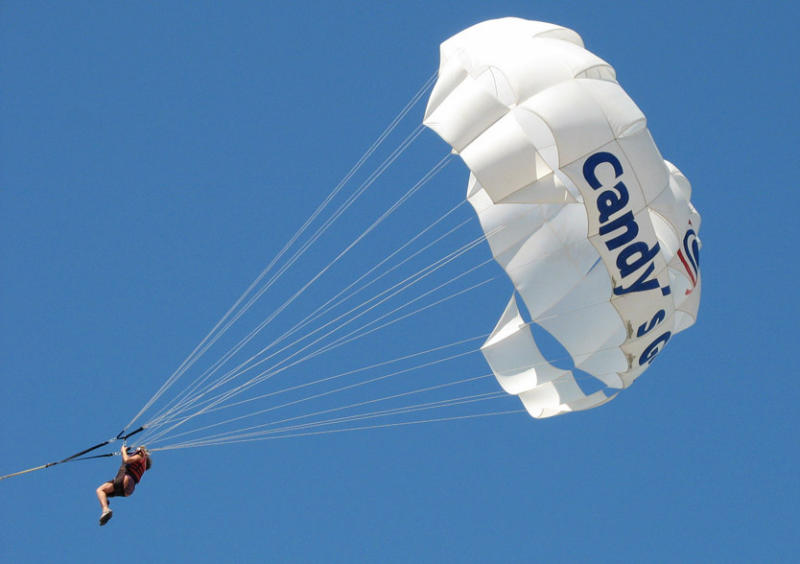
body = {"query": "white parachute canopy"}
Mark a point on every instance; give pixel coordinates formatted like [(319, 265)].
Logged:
[(595, 229)]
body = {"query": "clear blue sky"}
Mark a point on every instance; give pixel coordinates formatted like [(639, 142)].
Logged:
[(153, 158)]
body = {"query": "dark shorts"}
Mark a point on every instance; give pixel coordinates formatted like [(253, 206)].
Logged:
[(119, 484)]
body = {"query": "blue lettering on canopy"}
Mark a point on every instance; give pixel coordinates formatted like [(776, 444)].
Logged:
[(692, 249), (657, 318), (619, 234), (654, 348)]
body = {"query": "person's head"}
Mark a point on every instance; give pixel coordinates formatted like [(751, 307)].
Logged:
[(144, 453)]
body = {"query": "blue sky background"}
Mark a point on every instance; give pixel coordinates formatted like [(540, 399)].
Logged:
[(154, 158)]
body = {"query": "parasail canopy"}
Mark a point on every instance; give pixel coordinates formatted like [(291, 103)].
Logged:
[(593, 227)]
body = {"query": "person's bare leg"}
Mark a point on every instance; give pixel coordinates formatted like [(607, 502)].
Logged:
[(128, 485), (102, 494)]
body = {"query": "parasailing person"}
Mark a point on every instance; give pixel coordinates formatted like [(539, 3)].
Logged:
[(129, 474)]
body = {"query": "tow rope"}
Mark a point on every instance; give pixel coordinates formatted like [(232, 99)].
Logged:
[(121, 436)]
